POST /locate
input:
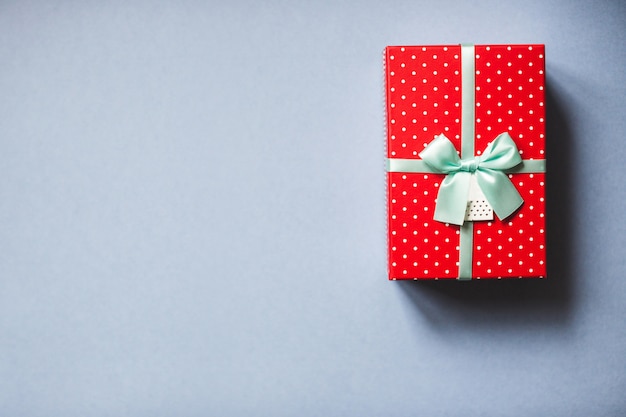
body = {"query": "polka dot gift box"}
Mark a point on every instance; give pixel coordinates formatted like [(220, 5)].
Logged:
[(466, 162)]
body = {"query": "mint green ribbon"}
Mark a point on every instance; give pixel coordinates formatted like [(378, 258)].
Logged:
[(499, 155)]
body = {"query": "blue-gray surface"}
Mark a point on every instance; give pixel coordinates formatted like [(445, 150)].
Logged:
[(192, 217)]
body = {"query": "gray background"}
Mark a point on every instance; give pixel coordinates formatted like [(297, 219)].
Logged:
[(192, 217)]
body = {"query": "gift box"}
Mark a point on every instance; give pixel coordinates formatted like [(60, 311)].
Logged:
[(466, 161)]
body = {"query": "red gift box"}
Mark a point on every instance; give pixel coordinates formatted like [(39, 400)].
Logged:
[(471, 95)]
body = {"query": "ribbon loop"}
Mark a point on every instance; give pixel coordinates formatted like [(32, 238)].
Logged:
[(498, 156)]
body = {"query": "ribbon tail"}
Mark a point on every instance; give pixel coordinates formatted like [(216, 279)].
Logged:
[(499, 192), (452, 198)]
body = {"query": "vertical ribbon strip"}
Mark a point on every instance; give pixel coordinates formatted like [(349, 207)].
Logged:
[(468, 90)]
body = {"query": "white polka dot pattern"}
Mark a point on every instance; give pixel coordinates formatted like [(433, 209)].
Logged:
[(423, 91)]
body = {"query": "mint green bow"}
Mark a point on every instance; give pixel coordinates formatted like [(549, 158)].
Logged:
[(499, 155)]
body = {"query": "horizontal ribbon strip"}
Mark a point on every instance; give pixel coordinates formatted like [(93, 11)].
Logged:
[(528, 166)]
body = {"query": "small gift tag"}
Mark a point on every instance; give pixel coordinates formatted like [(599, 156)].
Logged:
[(478, 207)]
